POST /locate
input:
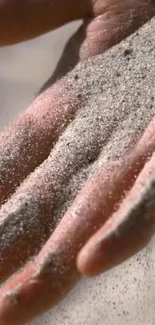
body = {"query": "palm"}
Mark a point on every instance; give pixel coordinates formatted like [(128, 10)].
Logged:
[(76, 146)]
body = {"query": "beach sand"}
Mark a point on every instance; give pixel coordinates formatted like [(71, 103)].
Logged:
[(118, 92), (121, 84)]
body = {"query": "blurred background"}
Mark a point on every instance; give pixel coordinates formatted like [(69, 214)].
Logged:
[(25, 67)]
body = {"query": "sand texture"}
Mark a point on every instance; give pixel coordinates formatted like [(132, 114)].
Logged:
[(118, 91)]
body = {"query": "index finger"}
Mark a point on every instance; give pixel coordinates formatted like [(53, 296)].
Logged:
[(131, 227)]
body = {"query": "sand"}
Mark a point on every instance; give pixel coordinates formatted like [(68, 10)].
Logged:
[(121, 84), (117, 91)]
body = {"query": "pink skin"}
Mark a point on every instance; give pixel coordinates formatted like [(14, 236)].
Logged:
[(42, 282)]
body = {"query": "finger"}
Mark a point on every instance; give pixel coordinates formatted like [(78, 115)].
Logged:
[(21, 18), (28, 217), (127, 231), (132, 226), (29, 141), (32, 18), (26, 143), (39, 286), (53, 273), (110, 22), (113, 21), (45, 281)]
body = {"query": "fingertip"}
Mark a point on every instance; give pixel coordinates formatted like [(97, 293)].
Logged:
[(82, 264), (89, 261), (16, 296)]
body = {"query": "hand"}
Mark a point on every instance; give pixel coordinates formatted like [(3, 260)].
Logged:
[(42, 159)]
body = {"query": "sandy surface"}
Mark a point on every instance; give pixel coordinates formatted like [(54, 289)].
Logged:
[(123, 93), (125, 295)]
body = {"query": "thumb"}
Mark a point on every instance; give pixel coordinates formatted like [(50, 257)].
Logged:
[(111, 22), (23, 20)]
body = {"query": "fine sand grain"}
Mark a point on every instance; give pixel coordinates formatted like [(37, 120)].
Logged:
[(117, 89), (121, 85)]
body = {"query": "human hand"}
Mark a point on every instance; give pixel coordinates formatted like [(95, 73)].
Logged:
[(49, 135)]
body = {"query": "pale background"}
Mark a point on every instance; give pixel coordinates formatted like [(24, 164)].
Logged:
[(125, 295), (25, 67)]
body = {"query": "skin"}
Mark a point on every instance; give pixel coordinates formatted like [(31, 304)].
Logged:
[(78, 248)]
